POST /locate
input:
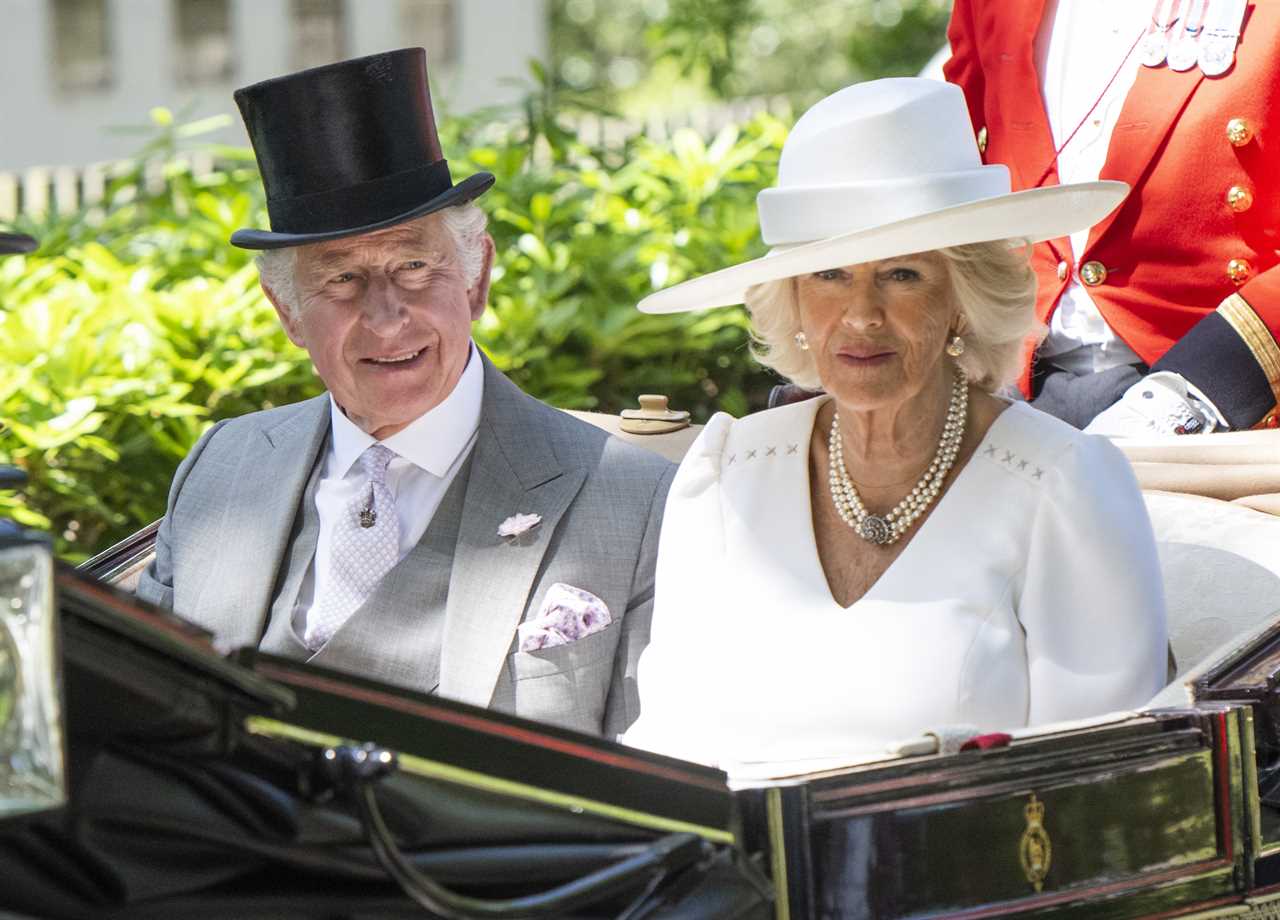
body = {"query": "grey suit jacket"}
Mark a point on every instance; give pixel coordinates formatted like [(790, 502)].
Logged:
[(234, 500)]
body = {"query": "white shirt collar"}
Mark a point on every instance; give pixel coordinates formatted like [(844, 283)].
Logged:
[(433, 441)]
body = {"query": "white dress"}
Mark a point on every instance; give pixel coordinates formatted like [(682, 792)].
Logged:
[(1031, 594)]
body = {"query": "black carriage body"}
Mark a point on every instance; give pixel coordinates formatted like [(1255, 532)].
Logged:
[(1165, 813), (1134, 819)]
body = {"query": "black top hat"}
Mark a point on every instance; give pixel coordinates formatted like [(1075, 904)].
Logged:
[(16, 244), (348, 148)]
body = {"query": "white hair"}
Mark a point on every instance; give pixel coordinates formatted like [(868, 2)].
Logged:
[(995, 290), (465, 222)]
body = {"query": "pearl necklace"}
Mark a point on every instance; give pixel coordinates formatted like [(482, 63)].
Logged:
[(888, 528)]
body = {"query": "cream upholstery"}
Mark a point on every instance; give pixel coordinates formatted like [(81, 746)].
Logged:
[(1212, 500), (1221, 568), (671, 445)]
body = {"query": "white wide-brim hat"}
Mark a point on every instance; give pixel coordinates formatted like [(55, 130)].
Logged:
[(882, 169)]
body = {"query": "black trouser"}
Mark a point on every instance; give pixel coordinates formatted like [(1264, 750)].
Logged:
[(1077, 399)]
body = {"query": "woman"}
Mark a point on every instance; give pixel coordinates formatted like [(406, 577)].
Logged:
[(909, 551)]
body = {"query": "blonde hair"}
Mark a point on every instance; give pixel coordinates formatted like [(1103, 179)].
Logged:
[(465, 222), (995, 290)]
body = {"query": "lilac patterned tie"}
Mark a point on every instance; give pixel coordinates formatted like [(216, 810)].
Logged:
[(366, 544)]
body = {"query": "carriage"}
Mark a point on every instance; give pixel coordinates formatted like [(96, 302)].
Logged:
[(164, 778)]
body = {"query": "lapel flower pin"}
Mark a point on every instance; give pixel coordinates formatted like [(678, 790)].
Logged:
[(517, 524)]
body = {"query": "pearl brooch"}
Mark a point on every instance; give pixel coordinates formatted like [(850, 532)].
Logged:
[(889, 528)]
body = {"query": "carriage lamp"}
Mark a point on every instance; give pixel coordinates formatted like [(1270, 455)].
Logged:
[(32, 770)]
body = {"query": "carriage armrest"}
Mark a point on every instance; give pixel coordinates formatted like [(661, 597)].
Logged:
[(671, 445), (1239, 466)]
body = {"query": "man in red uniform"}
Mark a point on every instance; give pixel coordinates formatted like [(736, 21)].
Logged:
[(1164, 317)]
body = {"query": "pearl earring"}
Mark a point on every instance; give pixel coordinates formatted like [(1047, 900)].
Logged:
[(802, 340), (955, 347)]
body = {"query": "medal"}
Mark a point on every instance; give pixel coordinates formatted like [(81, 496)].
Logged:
[(1155, 43), (1184, 50), (1218, 44)]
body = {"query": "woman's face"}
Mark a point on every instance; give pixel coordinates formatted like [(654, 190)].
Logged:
[(878, 330)]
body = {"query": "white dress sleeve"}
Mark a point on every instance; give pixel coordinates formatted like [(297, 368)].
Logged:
[(1092, 600), (676, 676)]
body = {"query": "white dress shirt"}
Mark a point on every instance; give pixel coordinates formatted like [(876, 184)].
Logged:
[(1031, 594), (1080, 44), (429, 453)]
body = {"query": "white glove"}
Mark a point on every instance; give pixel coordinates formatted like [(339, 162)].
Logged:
[(1160, 403)]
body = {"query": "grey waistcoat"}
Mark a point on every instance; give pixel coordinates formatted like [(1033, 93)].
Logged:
[(378, 638)]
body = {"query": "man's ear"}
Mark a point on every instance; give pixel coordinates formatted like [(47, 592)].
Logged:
[(292, 328), (478, 293)]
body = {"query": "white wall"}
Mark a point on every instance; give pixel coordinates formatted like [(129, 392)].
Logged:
[(39, 126)]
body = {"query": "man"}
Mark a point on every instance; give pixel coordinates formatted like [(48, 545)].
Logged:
[(1162, 318), (424, 523)]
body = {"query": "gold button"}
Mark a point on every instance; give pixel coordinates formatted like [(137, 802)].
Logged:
[(1239, 199), (1093, 273), (1239, 132), (1238, 270), (982, 139), (1063, 270)]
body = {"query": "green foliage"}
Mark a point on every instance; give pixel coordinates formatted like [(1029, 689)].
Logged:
[(110, 378), (161, 214), (704, 36), (703, 50), (136, 325), (580, 241)]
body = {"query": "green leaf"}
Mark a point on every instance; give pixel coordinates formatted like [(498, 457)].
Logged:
[(137, 325), (540, 207)]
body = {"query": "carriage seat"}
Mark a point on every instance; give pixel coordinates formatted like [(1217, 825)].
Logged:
[(1219, 554)]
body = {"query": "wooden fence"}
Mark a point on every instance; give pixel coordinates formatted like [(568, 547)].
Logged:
[(42, 190)]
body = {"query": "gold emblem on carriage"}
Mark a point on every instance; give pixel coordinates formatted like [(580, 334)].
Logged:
[(1035, 850)]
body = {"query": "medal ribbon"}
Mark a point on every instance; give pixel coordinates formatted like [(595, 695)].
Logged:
[(1196, 23), (1080, 124), (1221, 34), (1162, 17), (1185, 46), (1227, 17)]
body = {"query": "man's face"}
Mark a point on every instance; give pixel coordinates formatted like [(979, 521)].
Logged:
[(386, 317)]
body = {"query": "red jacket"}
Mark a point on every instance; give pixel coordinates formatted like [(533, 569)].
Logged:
[(1191, 278)]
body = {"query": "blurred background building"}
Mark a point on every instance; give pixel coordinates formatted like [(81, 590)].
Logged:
[(79, 77)]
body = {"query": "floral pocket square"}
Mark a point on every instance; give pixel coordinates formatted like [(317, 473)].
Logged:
[(567, 615)]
